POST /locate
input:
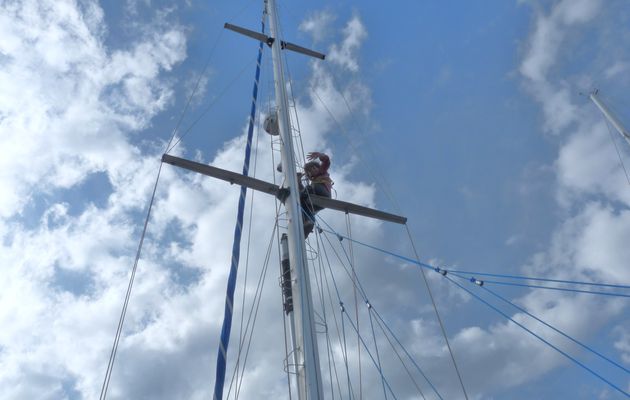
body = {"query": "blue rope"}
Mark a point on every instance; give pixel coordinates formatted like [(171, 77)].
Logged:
[(557, 330), (541, 339), (555, 288), (411, 260), (541, 279), (236, 245), (363, 294), (444, 270)]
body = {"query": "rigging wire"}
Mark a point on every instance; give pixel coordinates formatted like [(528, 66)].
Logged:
[(380, 321), (344, 348), (293, 102), (249, 232), (119, 328), (529, 278), (193, 92), (382, 181), (212, 103), (556, 288), (413, 361), (399, 357), (259, 289), (611, 384), (437, 314), (364, 297), (367, 350), (123, 313), (351, 263), (270, 84), (320, 291), (199, 78), (278, 207), (445, 272), (332, 306), (612, 139), (378, 356), (242, 10), (343, 312), (548, 325), (437, 269), (356, 302)]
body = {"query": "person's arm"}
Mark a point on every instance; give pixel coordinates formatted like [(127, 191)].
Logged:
[(325, 160)]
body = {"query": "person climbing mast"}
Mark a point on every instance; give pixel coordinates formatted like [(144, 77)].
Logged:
[(318, 183)]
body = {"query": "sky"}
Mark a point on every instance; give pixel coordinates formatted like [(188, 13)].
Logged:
[(471, 119)]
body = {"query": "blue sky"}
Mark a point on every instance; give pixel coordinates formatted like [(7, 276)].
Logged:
[(465, 117)]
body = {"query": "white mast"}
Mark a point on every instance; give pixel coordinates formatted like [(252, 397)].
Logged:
[(298, 300), (308, 372), (610, 116)]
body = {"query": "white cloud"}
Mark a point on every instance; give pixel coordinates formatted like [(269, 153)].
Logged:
[(588, 164), (543, 49), (618, 68), (64, 279), (588, 244), (345, 54), (549, 32), (67, 118), (318, 25), (513, 240), (622, 344), (64, 112)]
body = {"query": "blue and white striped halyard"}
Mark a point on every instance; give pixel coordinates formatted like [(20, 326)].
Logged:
[(231, 286)]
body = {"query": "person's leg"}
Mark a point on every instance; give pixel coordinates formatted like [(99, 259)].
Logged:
[(308, 210), (319, 189)]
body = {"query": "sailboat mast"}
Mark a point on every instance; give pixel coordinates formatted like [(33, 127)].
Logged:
[(308, 373), (610, 116)]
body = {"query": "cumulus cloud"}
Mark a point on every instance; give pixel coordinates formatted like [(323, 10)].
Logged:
[(70, 106), (588, 244), (69, 117), (65, 111)]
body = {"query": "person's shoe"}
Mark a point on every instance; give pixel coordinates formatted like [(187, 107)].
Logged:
[(308, 227)]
